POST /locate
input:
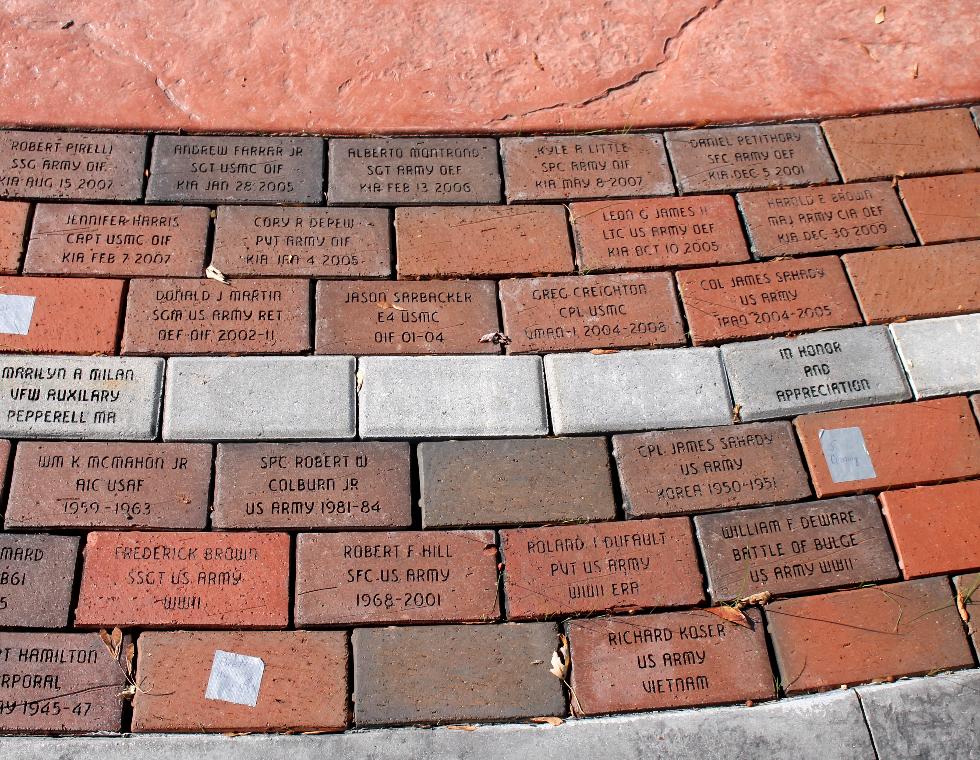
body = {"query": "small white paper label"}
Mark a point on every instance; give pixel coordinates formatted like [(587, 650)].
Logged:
[(15, 314), (235, 678), (846, 455)]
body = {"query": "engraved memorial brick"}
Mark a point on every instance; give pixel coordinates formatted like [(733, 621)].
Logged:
[(109, 485), (59, 315), (560, 167), (71, 165), (575, 569), (401, 317), (413, 170), (396, 577), (13, 228), (629, 310), (302, 242), (705, 469), (771, 298), (795, 547), (482, 241), (670, 659), (744, 158), (514, 482), (654, 233), (308, 486), (36, 577), (210, 317), (811, 373), (80, 397), (118, 241), (235, 169), (817, 219), (186, 580), (60, 683)]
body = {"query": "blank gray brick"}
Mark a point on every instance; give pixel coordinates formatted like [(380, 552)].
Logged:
[(637, 390), (834, 369), (88, 397), (941, 356), (230, 398), (451, 396)]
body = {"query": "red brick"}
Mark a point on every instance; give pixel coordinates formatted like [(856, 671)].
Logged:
[(431, 317), (744, 158), (36, 577), (158, 580), (110, 485), (975, 403), (655, 233), (633, 310), (303, 685), (818, 219), (867, 634), (455, 673), (396, 577), (668, 660), (936, 529), (13, 227), (4, 459), (795, 547), (308, 486), (966, 588), (78, 683), (482, 241), (904, 144), (914, 283), (694, 470), (943, 208), (584, 166), (302, 242), (908, 444), (595, 567), (771, 298), (121, 241), (66, 316), (210, 317)]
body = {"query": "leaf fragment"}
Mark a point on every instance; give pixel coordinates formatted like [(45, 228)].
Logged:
[(603, 351), (732, 615), (880, 15), (497, 338), (462, 728), (550, 720), (213, 273), (560, 659)]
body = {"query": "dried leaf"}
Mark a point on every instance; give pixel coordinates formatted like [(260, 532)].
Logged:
[(117, 638), (737, 413), (550, 720), (961, 606), (880, 15), (386, 305), (359, 379), (106, 638), (732, 615), (761, 598), (213, 273), (497, 338), (130, 652), (462, 728), (559, 659), (915, 71), (602, 351)]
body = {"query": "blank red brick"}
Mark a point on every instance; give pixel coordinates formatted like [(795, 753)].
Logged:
[(110, 485), (771, 298), (431, 317), (629, 310), (59, 316), (37, 573), (943, 208), (190, 580), (482, 241), (916, 283), (176, 316), (904, 144), (668, 660), (13, 227), (907, 444), (301, 684), (4, 459), (574, 569), (867, 634), (396, 577), (936, 529), (60, 683), (656, 233)]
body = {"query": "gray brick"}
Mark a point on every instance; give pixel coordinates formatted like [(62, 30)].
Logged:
[(834, 369), (637, 390), (230, 398), (451, 396), (941, 356), (92, 397)]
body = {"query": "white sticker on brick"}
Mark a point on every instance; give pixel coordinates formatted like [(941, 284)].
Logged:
[(846, 454), (16, 313), (235, 678)]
